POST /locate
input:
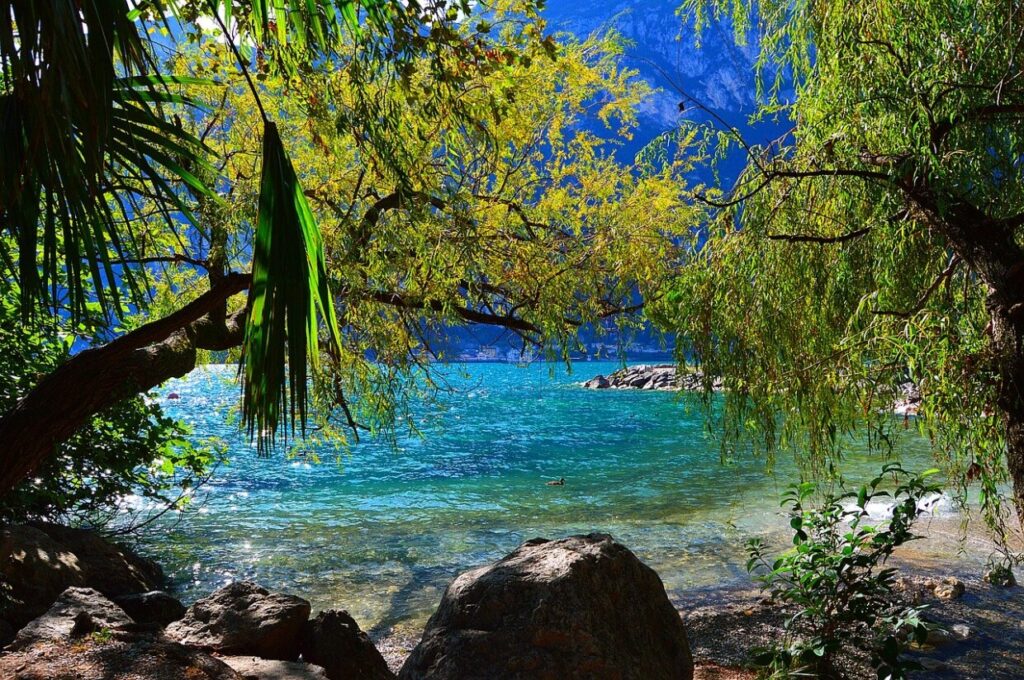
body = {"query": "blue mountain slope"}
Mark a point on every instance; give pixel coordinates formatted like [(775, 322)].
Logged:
[(664, 50)]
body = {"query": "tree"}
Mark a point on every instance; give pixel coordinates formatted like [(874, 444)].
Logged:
[(878, 242), (129, 449), (87, 134), (437, 174)]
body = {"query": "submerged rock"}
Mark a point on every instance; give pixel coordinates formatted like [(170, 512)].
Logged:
[(39, 561), (333, 640), (243, 618), (76, 613), (581, 607), (156, 606)]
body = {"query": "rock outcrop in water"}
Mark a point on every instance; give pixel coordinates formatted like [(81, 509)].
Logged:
[(650, 377), (581, 607)]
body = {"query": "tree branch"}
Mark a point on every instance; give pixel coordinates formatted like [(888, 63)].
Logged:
[(807, 238), (923, 300)]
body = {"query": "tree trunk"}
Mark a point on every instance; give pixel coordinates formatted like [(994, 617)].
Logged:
[(99, 377), (1008, 341)]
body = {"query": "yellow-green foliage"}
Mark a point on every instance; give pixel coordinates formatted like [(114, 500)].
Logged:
[(821, 283), (502, 203)]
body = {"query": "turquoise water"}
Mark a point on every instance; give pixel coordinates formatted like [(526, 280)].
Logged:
[(384, 531)]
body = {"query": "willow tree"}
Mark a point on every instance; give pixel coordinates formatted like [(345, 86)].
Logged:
[(878, 242), (508, 212), (415, 170), (89, 129)]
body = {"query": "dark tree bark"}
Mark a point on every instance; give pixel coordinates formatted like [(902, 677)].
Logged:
[(1008, 342), (99, 377)]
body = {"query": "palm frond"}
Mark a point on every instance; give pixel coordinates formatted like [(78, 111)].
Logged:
[(289, 293), (79, 105)]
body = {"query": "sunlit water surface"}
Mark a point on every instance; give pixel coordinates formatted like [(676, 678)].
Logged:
[(383, 530)]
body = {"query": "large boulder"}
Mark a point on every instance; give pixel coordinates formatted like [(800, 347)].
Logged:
[(156, 607), (333, 640), (243, 618), (76, 613), (581, 607), (39, 561), (122, 657)]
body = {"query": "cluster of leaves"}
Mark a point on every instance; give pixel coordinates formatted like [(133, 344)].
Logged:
[(523, 220), (825, 279), (836, 580), (129, 449)]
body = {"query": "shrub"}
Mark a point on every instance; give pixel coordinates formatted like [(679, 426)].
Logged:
[(835, 580), (131, 448)]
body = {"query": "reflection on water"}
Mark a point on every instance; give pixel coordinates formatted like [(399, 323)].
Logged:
[(384, 531)]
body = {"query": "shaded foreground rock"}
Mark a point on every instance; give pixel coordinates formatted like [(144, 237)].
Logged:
[(127, 657), (333, 640), (255, 668), (156, 606), (39, 561), (243, 618), (78, 612), (581, 607)]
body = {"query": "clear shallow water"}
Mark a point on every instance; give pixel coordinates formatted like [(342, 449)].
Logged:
[(384, 531)]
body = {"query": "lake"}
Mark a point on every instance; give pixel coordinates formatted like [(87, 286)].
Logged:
[(381, 531)]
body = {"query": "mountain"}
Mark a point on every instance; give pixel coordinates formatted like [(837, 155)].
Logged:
[(714, 80)]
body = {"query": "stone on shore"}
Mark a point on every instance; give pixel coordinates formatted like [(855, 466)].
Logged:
[(78, 612), (255, 668), (39, 561), (333, 640), (245, 619), (581, 607), (156, 607), (946, 588)]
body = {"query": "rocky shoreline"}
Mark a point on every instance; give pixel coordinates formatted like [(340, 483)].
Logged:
[(663, 377), (667, 378), (580, 607)]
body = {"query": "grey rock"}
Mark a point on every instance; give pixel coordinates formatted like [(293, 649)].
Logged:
[(333, 640), (961, 631), (255, 668), (243, 618), (76, 613), (581, 607), (598, 382), (156, 606), (39, 561)]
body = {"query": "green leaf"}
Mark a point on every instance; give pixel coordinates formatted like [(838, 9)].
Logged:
[(289, 293)]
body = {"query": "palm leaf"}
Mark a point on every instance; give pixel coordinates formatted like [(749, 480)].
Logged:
[(289, 292), (80, 107)]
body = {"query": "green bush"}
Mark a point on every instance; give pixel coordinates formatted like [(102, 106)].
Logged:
[(129, 449), (835, 580)]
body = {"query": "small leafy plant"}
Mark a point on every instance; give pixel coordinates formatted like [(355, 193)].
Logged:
[(836, 580)]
